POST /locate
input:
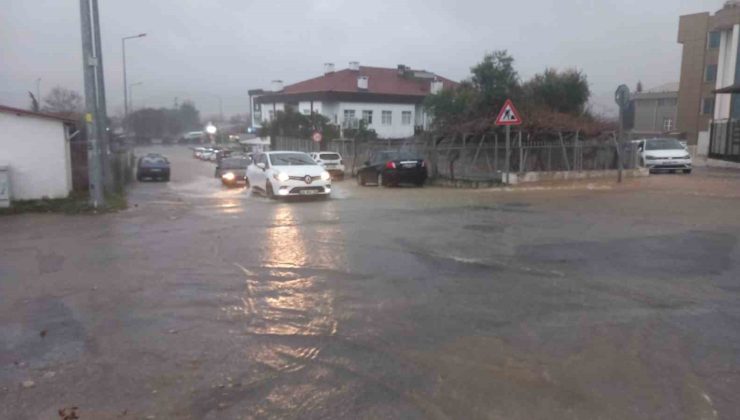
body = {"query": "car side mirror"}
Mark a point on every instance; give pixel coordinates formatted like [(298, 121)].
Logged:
[(261, 166)]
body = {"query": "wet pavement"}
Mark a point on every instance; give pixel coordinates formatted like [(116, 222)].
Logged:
[(584, 301)]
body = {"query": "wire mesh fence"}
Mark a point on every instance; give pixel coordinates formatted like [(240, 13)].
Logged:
[(485, 157)]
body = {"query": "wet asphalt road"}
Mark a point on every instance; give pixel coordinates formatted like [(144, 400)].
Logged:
[(199, 302)]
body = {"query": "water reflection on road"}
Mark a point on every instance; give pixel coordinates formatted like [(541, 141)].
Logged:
[(287, 305)]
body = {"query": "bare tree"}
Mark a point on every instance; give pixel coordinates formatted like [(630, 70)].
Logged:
[(63, 101)]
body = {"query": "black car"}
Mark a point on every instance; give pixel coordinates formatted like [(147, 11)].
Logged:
[(233, 171), (390, 168), (153, 166)]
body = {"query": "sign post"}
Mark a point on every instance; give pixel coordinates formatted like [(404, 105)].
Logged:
[(507, 117), (622, 98)]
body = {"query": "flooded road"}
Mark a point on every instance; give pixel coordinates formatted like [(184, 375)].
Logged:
[(201, 302)]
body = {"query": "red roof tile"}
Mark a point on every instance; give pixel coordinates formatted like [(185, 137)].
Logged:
[(380, 81)]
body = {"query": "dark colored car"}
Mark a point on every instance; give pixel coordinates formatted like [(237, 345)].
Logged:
[(153, 166), (233, 171), (390, 168)]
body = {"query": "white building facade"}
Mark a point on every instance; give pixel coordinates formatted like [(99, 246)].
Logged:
[(389, 101), (35, 147)]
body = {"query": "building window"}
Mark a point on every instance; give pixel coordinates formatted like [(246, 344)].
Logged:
[(668, 102), (710, 75), (707, 106), (667, 124), (271, 114), (349, 119), (367, 116), (406, 117), (713, 40), (387, 117)]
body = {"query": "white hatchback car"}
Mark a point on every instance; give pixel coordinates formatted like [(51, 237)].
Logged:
[(332, 162), (664, 155), (283, 174)]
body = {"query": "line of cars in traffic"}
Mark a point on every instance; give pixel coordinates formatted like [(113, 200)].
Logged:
[(292, 173)]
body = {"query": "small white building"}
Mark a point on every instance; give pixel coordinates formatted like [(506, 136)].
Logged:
[(388, 100), (35, 147)]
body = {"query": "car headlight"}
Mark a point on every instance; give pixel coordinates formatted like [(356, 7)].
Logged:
[(281, 176), (228, 176), (648, 157), (325, 176), (685, 157)]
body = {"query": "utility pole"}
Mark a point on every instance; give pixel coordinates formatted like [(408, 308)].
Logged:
[(102, 112), (89, 62)]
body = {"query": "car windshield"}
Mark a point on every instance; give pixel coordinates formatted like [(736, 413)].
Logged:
[(664, 144), (291, 159), (329, 156), (240, 163), (153, 160)]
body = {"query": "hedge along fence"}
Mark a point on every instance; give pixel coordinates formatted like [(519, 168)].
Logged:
[(483, 157)]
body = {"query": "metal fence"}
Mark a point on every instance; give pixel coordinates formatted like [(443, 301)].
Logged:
[(484, 157), (725, 140)]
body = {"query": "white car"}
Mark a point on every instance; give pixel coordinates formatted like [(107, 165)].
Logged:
[(332, 162), (664, 154), (283, 174)]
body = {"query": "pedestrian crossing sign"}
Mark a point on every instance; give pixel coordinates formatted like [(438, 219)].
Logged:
[(508, 115)]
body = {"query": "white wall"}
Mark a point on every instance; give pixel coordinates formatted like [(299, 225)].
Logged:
[(726, 70), (37, 152), (395, 130)]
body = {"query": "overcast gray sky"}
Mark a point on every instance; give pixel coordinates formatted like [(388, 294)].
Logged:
[(200, 50)]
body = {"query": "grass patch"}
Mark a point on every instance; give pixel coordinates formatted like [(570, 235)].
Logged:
[(76, 203)]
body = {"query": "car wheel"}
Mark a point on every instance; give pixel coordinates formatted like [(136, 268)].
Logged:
[(139, 178), (166, 178), (268, 190), (246, 183), (687, 171)]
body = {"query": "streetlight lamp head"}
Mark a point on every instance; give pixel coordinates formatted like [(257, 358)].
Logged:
[(142, 35)]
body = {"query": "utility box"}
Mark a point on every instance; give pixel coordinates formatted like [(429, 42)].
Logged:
[(4, 185)]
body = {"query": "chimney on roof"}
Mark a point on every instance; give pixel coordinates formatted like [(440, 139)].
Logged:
[(354, 65), (277, 85), (436, 86), (362, 82), (402, 69), (328, 68)]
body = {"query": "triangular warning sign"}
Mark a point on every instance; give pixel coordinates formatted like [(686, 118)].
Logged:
[(508, 115)]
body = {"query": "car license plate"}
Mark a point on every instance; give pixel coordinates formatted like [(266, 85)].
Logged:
[(331, 165), (156, 170), (308, 192), (409, 165)]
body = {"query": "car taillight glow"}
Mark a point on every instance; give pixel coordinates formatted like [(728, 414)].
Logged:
[(390, 165)]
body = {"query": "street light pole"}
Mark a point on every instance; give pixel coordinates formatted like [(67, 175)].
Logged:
[(89, 61), (125, 82), (131, 94)]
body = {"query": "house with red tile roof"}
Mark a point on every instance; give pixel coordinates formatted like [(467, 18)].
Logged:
[(389, 100)]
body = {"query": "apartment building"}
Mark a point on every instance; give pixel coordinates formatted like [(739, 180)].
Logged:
[(709, 62)]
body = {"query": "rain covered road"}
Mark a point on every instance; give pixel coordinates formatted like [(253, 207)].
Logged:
[(201, 302)]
